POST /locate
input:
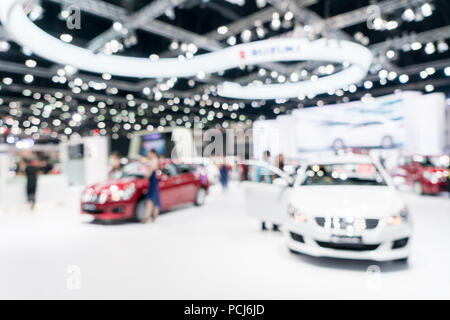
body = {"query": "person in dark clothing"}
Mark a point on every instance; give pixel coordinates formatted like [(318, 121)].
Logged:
[(223, 169), (280, 162), (153, 195), (31, 173), (116, 166)]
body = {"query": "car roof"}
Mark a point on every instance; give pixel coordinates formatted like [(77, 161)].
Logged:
[(347, 158)]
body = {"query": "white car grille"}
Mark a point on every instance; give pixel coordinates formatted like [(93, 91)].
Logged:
[(346, 223)]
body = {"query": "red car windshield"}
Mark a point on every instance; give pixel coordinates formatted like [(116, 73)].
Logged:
[(427, 161), (135, 169)]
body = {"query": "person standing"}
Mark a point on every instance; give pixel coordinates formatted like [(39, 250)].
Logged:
[(31, 173), (280, 162), (116, 167), (223, 169), (153, 205)]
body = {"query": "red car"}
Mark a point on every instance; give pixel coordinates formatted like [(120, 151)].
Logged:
[(426, 174), (123, 198)]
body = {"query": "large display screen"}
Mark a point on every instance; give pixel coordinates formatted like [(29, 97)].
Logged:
[(153, 141), (76, 152), (374, 124)]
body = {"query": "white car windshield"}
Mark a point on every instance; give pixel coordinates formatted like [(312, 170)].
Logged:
[(343, 174)]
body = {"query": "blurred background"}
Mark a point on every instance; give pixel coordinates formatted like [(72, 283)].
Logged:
[(69, 135)]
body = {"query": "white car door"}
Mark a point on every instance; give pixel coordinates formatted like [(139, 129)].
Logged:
[(266, 192)]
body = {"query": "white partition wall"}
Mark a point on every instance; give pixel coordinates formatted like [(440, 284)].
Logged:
[(96, 159), (266, 136), (288, 143), (425, 123), (88, 164)]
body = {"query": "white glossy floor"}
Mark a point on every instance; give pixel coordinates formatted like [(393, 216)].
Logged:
[(212, 252)]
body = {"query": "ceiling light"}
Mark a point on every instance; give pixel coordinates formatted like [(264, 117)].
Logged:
[(231, 40), (368, 84), (447, 71), (7, 81), (294, 77), (430, 70), (426, 9), (192, 48), (146, 91), (66, 37), (64, 14), (390, 54), (117, 26), (403, 78), (28, 78), (429, 88), (260, 32), (288, 16), (392, 75), (275, 24), (416, 45), (30, 63), (77, 117), (174, 45), (383, 74), (246, 36), (408, 15), (442, 46), (4, 46), (36, 12), (430, 48), (222, 30), (261, 3), (391, 25)]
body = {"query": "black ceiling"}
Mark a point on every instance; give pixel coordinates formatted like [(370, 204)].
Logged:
[(201, 17)]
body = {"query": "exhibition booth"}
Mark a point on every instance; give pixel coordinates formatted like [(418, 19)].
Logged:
[(217, 149), (78, 163)]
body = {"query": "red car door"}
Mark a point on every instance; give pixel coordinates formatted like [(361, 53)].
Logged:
[(168, 185), (411, 168), (188, 183)]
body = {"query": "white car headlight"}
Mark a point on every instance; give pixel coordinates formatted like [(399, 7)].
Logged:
[(294, 213), (102, 198), (399, 218), (129, 192), (87, 195)]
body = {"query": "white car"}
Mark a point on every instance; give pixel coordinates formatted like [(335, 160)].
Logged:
[(339, 206), (347, 207)]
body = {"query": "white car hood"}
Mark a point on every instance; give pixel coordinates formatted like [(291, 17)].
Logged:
[(358, 201)]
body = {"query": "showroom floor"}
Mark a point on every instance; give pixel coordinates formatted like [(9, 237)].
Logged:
[(212, 252)]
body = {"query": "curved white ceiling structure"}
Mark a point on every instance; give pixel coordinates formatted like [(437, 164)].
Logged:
[(359, 58)]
